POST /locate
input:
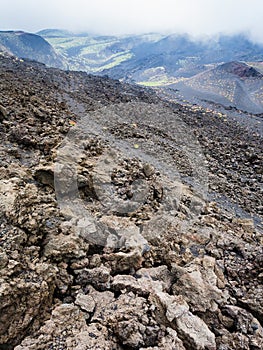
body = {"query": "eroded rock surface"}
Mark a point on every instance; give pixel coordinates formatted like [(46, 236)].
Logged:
[(137, 257)]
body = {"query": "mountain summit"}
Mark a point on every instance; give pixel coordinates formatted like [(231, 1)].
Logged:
[(240, 69)]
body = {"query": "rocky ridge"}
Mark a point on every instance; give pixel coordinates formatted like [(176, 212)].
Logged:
[(30, 46), (176, 271)]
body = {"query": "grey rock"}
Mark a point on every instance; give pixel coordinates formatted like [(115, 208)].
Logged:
[(86, 302)]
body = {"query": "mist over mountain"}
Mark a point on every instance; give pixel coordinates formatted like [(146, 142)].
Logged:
[(131, 175), (130, 186), (126, 57), (178, 54), (118, 17)]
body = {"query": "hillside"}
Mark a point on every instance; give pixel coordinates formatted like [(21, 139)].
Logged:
[(127, 221), (233, 84), (240, 69), (31, 46)]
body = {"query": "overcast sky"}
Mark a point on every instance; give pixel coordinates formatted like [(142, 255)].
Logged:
[(196, 17)]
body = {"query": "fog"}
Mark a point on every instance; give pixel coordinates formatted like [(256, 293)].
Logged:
[(111, 17)]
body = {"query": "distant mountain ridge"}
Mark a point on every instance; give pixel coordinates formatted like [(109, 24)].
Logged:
[(31, 46), (130, 57), (154, 56), (180, 54)]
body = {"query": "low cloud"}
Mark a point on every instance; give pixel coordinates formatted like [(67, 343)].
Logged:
[(196, 17)]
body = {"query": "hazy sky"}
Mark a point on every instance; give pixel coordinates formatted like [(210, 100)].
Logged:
[(135, 16)]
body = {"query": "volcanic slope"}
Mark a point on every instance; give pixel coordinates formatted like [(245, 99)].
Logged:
[(108, 238), (233, 84)]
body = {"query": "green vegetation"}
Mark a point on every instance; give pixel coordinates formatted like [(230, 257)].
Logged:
[(116, 60), (156, 83), (94, 53), (157, 76), (90, 53)]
